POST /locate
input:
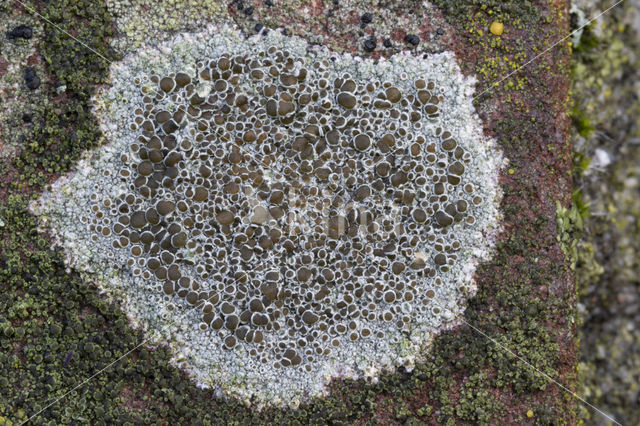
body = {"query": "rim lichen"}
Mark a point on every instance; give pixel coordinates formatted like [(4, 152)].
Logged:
[(440, 227)]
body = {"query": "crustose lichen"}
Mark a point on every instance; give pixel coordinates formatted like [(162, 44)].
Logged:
[(280, 214)]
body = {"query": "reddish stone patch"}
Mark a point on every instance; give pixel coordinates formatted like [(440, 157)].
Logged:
[(4, 64), (319, 19), (34, 59), (135, 401), (548, 171)]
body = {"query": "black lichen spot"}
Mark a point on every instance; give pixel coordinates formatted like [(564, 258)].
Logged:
[(21, 31), (412, 39), (31, 79), (370, 44), (366, 18)]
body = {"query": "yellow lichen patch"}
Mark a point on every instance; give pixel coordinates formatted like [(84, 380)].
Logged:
[(496, 28)]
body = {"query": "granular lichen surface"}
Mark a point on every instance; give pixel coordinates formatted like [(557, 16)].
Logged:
[(282, 216)]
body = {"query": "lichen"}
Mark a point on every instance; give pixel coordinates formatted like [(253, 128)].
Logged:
[(570, 225), (15, 53), (369, 27), (242, 285), (605, 88), (141, 22)]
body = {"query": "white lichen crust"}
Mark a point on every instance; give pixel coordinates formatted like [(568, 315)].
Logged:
[(280, 214)]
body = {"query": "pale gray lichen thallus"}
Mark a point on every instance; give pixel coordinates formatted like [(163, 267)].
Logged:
[(280, 214)]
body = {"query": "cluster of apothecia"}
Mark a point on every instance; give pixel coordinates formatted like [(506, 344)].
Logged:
[(300, 209)]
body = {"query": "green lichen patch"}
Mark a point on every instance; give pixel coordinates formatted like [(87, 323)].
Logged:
[(140, 22), (570, 226), (18, 101), (60, 124), (605, 68)]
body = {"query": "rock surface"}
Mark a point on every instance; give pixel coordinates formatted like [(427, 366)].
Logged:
[(57, 330)]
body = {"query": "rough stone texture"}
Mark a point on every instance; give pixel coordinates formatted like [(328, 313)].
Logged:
[(607, 142), (339, 24), (56, 330)]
